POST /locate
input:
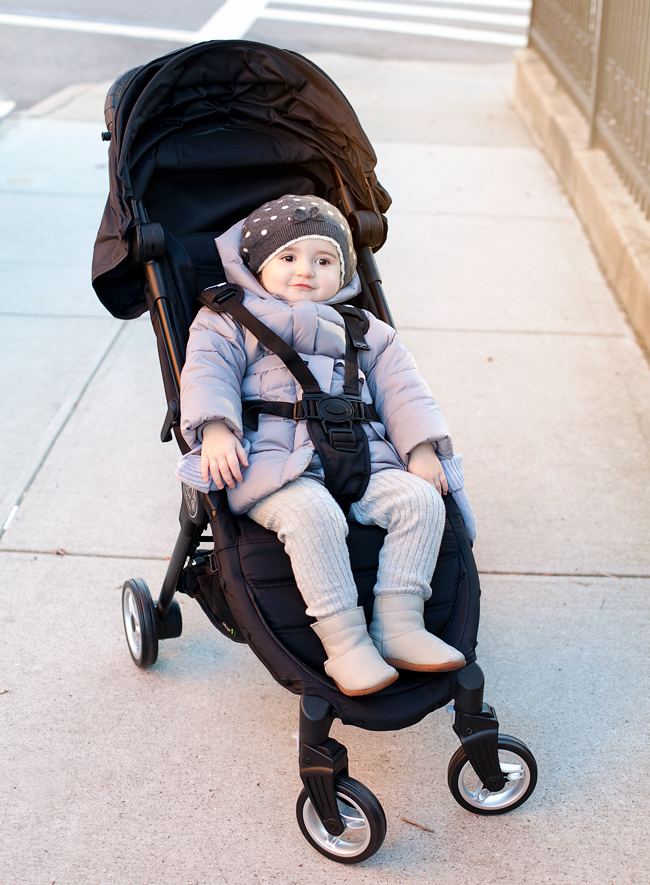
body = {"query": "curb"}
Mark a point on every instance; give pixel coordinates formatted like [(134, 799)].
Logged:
[(82, 102), (616, 226)]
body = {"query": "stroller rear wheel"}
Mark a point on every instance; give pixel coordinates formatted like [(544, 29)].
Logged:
[(518, 767), (363, 816), (140, 624)]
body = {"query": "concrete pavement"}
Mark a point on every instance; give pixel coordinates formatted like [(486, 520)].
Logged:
[(187, 772)]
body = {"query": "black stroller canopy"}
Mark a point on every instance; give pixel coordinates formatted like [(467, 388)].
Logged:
[(204, 135)]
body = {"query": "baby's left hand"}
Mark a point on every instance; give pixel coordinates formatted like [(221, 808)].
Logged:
[(424, 462)]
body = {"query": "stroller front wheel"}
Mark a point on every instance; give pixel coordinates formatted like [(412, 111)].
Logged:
[(363, 816), (140, 624), (518, 767)]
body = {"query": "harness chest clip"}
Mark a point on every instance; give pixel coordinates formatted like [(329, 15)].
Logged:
[(336, 415)]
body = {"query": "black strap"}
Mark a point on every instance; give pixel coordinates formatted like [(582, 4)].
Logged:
[(333, 422), (226, 299), (299, 411), (356, 325), (356, 322), (351, 379)]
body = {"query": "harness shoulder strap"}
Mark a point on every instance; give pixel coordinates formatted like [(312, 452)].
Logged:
[(356, 322), (227, 298)]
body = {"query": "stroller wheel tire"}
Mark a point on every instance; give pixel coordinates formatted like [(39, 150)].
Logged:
[(140, 624), (363, 816), (517, 765)]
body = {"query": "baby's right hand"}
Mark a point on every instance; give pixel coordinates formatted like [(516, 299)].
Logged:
[(221, 454)]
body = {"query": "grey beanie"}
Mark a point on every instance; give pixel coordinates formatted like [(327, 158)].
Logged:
[(280, 223)]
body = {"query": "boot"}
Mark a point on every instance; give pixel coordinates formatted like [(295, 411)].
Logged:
[(352, 662), (398, 631)]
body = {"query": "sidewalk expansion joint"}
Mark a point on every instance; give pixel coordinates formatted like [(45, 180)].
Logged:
[(37, 315), (569, 575), (526, 574), (63, 553), (560, 332), (16, 494)]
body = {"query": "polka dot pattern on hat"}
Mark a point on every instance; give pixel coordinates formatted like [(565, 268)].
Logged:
[(307, 217)]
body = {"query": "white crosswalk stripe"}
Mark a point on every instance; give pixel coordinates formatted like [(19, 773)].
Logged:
[(421, 10), (402, 18), (6, 107), (464, 20)]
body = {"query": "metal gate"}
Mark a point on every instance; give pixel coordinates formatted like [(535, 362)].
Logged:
[(600, 51)]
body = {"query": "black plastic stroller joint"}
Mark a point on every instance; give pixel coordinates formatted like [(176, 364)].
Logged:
[(477, 727), (369, 227), (148, 242), (322, 760)]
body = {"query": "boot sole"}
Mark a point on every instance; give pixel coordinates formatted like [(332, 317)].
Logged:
[(426, 668), (362, 691)]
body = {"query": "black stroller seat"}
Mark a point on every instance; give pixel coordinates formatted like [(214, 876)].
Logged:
[(198, 139)]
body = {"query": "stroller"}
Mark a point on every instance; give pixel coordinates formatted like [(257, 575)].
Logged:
[(198, 139)]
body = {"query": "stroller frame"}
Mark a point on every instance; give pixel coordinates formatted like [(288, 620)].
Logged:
[(330, 799), (322, 759)]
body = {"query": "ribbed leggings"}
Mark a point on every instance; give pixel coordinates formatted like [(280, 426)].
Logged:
[(313, 529)]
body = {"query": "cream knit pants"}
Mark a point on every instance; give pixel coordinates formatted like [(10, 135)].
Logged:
[(313, 529)]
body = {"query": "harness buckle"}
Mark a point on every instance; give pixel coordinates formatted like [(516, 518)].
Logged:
[(326, 408), (336, 414)]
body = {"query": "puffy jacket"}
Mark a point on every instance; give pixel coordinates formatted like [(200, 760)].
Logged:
[(225, 364)]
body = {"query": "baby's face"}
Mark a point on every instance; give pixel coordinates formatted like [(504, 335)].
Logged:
[(309, 270)]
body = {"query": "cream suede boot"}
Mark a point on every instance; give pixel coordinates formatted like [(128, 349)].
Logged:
[(352, 662), (398, 631)]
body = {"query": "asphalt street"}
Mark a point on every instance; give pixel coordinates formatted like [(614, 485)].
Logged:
[(187, 772), (51, 44)]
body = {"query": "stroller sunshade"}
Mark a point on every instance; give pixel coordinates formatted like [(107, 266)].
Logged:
[(218, 129)]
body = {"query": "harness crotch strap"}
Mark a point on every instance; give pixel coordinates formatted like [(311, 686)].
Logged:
[(333, 422)]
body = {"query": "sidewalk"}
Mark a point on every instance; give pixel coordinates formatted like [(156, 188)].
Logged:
[(187, 773)]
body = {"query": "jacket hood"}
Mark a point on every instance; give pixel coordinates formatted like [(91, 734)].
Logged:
[(236, 271)]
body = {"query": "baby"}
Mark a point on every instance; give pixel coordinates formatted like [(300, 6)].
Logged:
[(295, 259)]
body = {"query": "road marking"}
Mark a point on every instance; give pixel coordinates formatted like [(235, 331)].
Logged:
[(232, 20), (112, 29), (440, 12), (471, 35), (524, 5), (6, 107), (235, 17)]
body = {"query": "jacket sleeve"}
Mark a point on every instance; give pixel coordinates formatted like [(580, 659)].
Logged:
[(401, 396), (212, 376), (453, 468)]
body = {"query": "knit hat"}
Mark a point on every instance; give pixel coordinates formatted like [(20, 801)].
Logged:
[(281, 223)]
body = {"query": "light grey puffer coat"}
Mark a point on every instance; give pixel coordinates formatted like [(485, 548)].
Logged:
[(226, 364)]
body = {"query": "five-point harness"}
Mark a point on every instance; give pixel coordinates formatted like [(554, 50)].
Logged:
[(333, 422)]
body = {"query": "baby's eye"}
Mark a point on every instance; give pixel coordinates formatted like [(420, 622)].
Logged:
[(288, 258), (324, 262)]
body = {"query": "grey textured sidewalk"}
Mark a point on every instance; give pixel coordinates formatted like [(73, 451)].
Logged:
[(187, 773)]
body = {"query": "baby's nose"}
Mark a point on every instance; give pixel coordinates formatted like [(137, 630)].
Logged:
[(304, 269)]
